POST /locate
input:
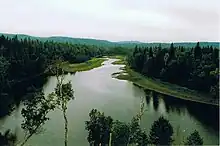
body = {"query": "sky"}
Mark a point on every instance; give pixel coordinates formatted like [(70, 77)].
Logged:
[(114, 20)]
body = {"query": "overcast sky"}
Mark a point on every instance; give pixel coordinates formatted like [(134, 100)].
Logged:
[(114, 20)]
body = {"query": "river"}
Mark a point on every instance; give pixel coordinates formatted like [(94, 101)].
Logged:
[(120, 99)]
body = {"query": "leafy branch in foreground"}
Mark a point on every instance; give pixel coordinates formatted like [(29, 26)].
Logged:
[(35, 114), (62, 95), (38, 106)]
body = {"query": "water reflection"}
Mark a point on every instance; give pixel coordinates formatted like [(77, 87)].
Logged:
[(72, 73), (147, 99), (155, 100), (148, 96), (173, 104), (208, 115)]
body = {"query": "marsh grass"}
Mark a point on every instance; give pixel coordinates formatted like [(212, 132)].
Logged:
[(88, 65), (163, 87)]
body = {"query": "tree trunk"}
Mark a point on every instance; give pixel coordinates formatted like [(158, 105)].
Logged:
[(66, 127), (110, 139), (26, 139), (29, 136)]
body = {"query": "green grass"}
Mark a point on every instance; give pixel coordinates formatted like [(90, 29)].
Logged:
[(120, 61), (88, 65), (163, 87), (116, 57)]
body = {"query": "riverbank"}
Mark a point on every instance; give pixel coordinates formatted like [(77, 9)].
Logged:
[(163, 87), (88, 65), (121, 59)]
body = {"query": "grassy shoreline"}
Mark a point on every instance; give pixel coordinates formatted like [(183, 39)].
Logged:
[(88, 65), (120, 61), (163, 87)]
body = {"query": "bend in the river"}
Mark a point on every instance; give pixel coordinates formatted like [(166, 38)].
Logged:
[(120, 99)]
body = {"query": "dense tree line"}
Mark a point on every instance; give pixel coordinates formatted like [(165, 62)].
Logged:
[(196, 68), (117, 50), (24, 62), (103, 130)]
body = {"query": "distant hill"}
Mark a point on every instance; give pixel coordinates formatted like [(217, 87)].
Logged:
[(105, 43), (80, 41), (129, 42)]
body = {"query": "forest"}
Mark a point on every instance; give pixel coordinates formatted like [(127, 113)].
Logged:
[(25, 62), (196, 68), (25, 65)]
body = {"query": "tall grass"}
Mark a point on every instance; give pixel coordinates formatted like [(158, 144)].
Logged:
[(88, 65)]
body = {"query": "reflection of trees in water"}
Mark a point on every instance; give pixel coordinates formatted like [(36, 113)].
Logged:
[(155, 100), (148, 96), (208, 115), (147, 99), (167, 106), (72, 73), (173, 104), (154, 96), (19, 90)]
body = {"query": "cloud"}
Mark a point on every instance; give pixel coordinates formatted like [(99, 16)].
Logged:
[(144, 20)]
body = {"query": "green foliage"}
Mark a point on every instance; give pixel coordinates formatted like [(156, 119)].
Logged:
[(118, 51), (121, 60), (161, 132), (37, 107), (104, 130), (197, 51), (99, 128), (120, 133), (195, 68), (131, 133), (4, 66), (63, 94), (25, 62), (194, 139), (35, 114), (90, 64), (137, 135), (142, 139)]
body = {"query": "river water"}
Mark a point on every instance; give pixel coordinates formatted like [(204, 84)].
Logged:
[(120, 99)]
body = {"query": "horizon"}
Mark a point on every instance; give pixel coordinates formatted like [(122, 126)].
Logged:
[(141, 20), (110, 40)]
